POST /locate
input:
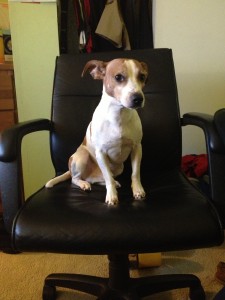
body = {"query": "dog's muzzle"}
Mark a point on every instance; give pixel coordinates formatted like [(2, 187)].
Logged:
[(136, 100)]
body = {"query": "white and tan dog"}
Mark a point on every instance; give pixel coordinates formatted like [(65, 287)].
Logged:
[(115, 131)]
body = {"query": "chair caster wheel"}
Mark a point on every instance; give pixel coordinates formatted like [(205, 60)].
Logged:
[(49, 292)]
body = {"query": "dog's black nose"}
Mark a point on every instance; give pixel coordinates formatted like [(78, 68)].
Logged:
[(137, 100)]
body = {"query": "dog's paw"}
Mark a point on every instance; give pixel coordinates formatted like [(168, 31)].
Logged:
[(84, 185), (111, 196), (139, 195), (112, 200), (138, 190)]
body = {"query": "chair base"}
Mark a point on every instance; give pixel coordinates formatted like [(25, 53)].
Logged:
[(5, 239), (119, 285)]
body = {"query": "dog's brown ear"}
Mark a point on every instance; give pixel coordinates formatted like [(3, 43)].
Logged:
[(96, 68), (145, 68)]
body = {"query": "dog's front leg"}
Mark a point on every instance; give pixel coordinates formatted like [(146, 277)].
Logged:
[(137, 188), (111, 192)]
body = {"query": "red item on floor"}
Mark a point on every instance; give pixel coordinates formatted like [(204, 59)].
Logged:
[(195, 165)]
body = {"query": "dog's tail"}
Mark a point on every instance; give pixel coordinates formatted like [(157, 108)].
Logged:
[(58, 179)]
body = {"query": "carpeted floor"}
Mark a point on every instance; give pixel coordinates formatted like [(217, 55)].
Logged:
[(22, 275)]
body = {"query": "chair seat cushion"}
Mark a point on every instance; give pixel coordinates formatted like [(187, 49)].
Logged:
[(65, 219)]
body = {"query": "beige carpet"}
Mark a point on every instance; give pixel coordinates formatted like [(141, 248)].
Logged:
[(22, 275)]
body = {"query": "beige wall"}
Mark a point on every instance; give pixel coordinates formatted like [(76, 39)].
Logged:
[(35, 45), (195, 30)]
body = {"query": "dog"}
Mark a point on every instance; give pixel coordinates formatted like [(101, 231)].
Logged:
[(115, 131)]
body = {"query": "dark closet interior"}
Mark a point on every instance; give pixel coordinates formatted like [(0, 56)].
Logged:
[(79, 20)]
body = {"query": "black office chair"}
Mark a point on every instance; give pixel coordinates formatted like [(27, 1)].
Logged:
[(174, 216)]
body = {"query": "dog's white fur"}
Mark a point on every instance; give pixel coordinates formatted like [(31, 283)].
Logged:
[(115, 131)]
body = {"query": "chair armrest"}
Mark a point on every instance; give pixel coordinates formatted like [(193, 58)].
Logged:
[(11, 138), (11, 180), (206, 123), (216, 157)]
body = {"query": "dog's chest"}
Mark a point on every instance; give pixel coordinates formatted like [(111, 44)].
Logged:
[(117, 133)]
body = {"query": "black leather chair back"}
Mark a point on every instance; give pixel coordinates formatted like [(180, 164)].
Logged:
[(75, 98)]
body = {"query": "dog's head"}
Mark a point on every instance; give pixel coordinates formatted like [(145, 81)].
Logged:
[(123, 79)]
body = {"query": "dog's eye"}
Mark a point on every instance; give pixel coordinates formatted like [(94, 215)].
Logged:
[(119, 78), (142, 77)]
